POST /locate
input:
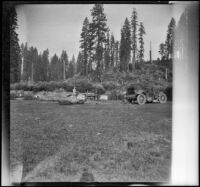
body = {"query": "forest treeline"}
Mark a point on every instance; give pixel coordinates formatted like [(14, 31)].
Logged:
[(99, 51)]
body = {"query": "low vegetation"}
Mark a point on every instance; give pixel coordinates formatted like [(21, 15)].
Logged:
[(113, 84)]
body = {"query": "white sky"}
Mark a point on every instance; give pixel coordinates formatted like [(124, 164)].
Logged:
[(58, 27)]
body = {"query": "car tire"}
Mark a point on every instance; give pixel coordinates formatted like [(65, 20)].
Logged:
[(141, 99), (162, 97)]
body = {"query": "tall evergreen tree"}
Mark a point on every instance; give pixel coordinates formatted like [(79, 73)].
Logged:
[(44, 65), (24, 50), (79, 64), (27, 62), (107, 52), (116, 55), (54, 68), (134, 36), (34, 65), (71, 69), (112, 50), (31, 62), (37, 65), (170, 38), (98, 29), (15, 55), (64, 62), (85, 44), (38, 68), (125, 46), (28, 58), (91, 52), (141, 42), (162, 51)]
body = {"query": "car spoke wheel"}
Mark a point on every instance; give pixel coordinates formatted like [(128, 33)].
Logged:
[(141, 99), (162, 98)]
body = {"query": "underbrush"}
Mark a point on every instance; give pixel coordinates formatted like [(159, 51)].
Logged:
[(148, 75), (82, 85)]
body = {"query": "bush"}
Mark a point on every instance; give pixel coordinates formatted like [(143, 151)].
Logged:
[(13, 86), (49, 86), (110, 85), (109, 76), (67, 85), (83, 85), (19, 86), (13, 95), (98, 88), (29, 97)]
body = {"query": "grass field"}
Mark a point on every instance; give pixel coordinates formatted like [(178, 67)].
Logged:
[(112, 140)]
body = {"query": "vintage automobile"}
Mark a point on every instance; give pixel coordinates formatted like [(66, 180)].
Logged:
[(73, 99), (139, 94)]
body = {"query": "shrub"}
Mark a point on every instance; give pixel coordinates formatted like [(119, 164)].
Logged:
[(38, 87), (110, 85), (108, 76), (83, 85), (19, 86), (13, 86), (29, 97), (67, 85), (49, 86), (13, 95), (98, 88), (60, 90)]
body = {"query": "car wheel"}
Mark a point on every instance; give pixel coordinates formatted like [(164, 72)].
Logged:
[(141, 99), (162, 97)]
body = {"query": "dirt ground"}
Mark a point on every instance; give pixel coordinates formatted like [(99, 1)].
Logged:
[(102, 142)]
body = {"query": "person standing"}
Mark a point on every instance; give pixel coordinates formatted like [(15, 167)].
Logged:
[(74, 91)]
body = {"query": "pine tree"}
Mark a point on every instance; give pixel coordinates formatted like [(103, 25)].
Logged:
[(37, 65), (15, 55), (79, 64), (64, 62), (125, 46), (23, 49), (74, 64), (107, 52), (35, 70), (28, 53), (170, 38), (38, 73), (54, 68), (116, 56), (71, 69), (112, 49), (85, 45), (162, 51), (91, 52), (44, 65), (141, 42), (98, 30), (134, 36)]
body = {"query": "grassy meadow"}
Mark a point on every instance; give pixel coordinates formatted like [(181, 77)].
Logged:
[(115, 142)]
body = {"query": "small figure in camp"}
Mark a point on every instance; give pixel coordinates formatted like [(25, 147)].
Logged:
[(74, 91)]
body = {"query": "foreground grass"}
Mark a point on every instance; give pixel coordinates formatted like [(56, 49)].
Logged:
[(114, 141)]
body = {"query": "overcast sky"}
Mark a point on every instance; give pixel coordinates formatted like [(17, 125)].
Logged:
[(58, 27)]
